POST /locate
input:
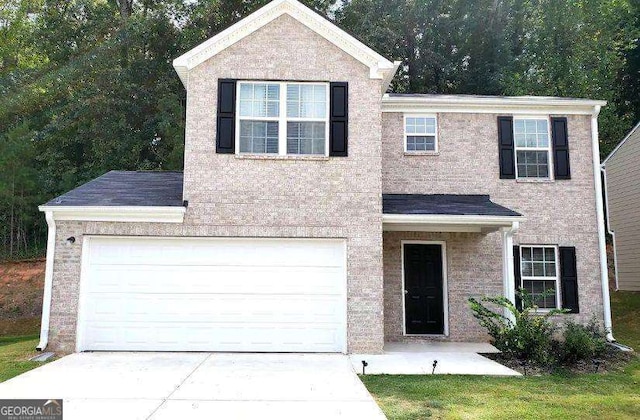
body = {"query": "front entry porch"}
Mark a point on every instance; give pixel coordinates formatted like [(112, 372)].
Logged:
[(462, 358), (438, 251)]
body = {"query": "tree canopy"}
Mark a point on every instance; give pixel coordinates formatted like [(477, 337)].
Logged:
[(87, 86)]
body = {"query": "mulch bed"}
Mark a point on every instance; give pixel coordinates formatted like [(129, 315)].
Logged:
[(613, 360)]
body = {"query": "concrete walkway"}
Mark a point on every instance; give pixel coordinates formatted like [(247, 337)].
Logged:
[(199, 386), (418, 359)]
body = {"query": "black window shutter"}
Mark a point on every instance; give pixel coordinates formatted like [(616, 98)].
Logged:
[(505, 142), (569, 279), (517, 277), (226, 121), (339, 119), (560, 140)]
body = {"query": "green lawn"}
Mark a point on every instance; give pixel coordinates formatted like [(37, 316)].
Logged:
[(587, 396), (625, 309), (14, 355)]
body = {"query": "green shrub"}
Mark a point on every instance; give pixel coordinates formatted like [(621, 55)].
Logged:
[(529, 336), (582, 342)]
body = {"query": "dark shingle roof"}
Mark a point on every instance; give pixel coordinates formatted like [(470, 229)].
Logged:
[(449, 204), (122, 188)]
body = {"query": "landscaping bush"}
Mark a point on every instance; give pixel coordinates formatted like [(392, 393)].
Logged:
[(529, 336), (582, 342)]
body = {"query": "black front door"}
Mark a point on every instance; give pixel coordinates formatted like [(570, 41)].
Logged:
[(423, 300)]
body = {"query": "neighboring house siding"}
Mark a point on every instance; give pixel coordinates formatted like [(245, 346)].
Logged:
[(560, 212), (623, 195), (264, 197)]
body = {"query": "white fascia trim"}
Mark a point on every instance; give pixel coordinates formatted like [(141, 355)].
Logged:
[(386, 81), (602, 247), (613, 152), (379, 66), (444, 219), (523, 105), (48, 282), (117, 213)]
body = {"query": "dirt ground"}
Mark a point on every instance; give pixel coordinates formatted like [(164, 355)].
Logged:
[(21, 286)]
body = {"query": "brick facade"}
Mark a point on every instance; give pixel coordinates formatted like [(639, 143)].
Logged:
[(557, 213), (232, 196), (274, 197)]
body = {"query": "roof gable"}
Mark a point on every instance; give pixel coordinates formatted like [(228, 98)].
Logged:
[(380, 67), (635, 133)]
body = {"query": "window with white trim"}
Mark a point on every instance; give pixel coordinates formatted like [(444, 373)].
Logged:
[(532, 147), (539, 275), (282, 118), (420, 134)]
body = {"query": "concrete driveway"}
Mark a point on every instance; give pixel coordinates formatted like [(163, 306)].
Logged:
[(199, 386)]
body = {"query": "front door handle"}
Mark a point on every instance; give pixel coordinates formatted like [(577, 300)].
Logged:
[(406, 292)]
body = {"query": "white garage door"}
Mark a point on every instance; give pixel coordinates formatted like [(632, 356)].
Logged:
[(257, 295)]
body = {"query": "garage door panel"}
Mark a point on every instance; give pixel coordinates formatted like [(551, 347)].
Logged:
[(162, 294), (274, 253), (202, 336), (228, 308), (181, 279)]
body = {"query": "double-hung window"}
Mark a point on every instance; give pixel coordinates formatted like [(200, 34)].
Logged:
[(532, 147), (539, 274), (259, 117), (420, 134), (282, 118)]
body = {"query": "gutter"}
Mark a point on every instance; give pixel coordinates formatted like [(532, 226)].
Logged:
[(133, 214), (48, 282), (465, 219), (526, 105), (604, 275)]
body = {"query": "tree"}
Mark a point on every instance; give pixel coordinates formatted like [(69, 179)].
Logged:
[(87, 85), (628, 78), (19, 231)]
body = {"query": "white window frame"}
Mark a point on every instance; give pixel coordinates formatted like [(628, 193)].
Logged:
[(407, 135), (556, 278), (547, 149), (282, 119)]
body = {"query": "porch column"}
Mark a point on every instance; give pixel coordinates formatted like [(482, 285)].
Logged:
[(508, 274)]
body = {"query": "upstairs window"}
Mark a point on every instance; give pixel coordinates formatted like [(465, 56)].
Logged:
[(420, 133), (258, 117), (283, 118), (539, 273), (532, 147)]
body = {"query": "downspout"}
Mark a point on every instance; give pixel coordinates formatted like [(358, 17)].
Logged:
[(611, 232), (604, 275), (48, 282)]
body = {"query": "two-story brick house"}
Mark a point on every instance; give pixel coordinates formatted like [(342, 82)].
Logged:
[(318, 214)]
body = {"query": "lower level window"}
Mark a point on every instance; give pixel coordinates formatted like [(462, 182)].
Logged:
[(306, 138), (533, 164), (258, 137), (539, 273)]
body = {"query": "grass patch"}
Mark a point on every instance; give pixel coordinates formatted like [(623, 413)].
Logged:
[(19, 327), (625, 311), (14, 355), (588, 396), (584, 396)]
